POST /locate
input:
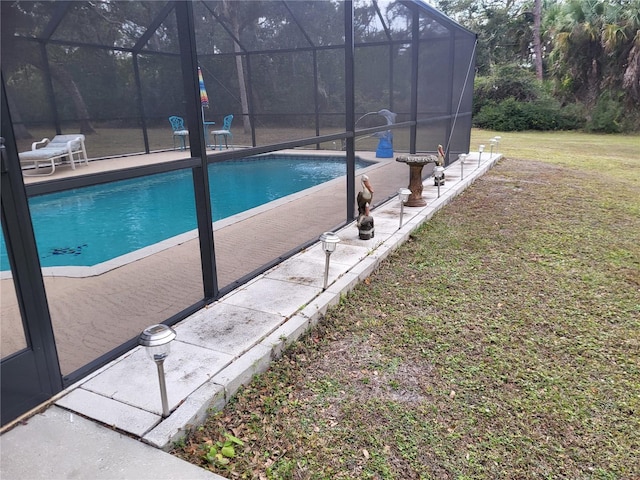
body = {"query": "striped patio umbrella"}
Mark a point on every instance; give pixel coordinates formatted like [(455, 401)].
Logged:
[(204, 102), (204, 98)]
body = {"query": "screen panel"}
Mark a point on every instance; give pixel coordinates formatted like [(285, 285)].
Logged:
[(115, 259)]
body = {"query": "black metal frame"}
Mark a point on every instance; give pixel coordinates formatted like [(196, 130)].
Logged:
[(137, 49), (32, 375)]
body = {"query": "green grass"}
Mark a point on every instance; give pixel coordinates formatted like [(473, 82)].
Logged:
[(501, 341), (620, 154)]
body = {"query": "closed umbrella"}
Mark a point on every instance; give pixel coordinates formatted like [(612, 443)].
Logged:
[(204, 98), (204, 102)]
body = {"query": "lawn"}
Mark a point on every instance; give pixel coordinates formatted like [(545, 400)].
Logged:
[(501, 341)]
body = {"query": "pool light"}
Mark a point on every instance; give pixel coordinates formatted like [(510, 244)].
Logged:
[(403, 196), (329, 242), (157, 342)]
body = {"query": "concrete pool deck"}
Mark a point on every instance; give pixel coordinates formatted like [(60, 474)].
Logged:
[(89, 430)]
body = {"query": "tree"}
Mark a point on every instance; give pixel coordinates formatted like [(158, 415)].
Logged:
[(62, 63), (631, 76), (537, 41), (596, 48), (503, 27), (239, 19)]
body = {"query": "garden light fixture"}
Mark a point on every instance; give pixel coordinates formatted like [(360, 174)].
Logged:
[(462, 157), (329, 242), (438, 175), (497, 139), (480, 150), (157, 342), (493, 143), (403, 196)]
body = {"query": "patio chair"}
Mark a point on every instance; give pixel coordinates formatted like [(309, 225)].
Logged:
[(60, 149), (224, 132), (179, 130)]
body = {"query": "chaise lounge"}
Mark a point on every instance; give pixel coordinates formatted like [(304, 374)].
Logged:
[(60, 149)]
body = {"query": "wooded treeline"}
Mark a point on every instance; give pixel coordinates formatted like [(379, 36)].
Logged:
[(541, 64), (554, 64), (117, 62)]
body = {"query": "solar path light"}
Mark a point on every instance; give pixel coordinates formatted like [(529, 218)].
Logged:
[(497, 138), (157, 342), (493, 143), (462, 157), (438, 175), (480, 150), (329, 242), (403, 196)]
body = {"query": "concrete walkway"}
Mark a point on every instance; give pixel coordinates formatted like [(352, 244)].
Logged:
[(110, 425)]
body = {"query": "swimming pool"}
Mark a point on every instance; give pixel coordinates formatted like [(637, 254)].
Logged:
[(88, 226)]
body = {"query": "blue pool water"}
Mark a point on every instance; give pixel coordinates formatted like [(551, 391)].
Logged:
[(87, 226)]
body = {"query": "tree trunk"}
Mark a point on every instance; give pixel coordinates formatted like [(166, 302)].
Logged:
[(70, 86), (631, 78), (537, 43), (243, 91), (231, 14), (593, 84)]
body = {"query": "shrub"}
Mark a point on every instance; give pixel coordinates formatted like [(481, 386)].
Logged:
[(506, 116), (607, 116), (512, 99), (572, 117), (513, 115), (508, 81)]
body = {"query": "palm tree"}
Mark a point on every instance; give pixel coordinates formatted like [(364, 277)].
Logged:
[(537, 40), (631, 77), (596, 48)]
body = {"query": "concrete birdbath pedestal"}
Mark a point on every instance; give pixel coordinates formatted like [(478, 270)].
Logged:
[(415, 177)]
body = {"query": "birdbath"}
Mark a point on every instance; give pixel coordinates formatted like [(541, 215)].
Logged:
[(415, 177)]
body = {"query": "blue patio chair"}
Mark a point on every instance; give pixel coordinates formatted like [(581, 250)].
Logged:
[(179, 130), (224, 132)]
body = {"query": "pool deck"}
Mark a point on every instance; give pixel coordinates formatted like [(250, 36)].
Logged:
[(217, 349)]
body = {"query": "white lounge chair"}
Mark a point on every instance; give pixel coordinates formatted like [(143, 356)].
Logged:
[(60, 149)]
